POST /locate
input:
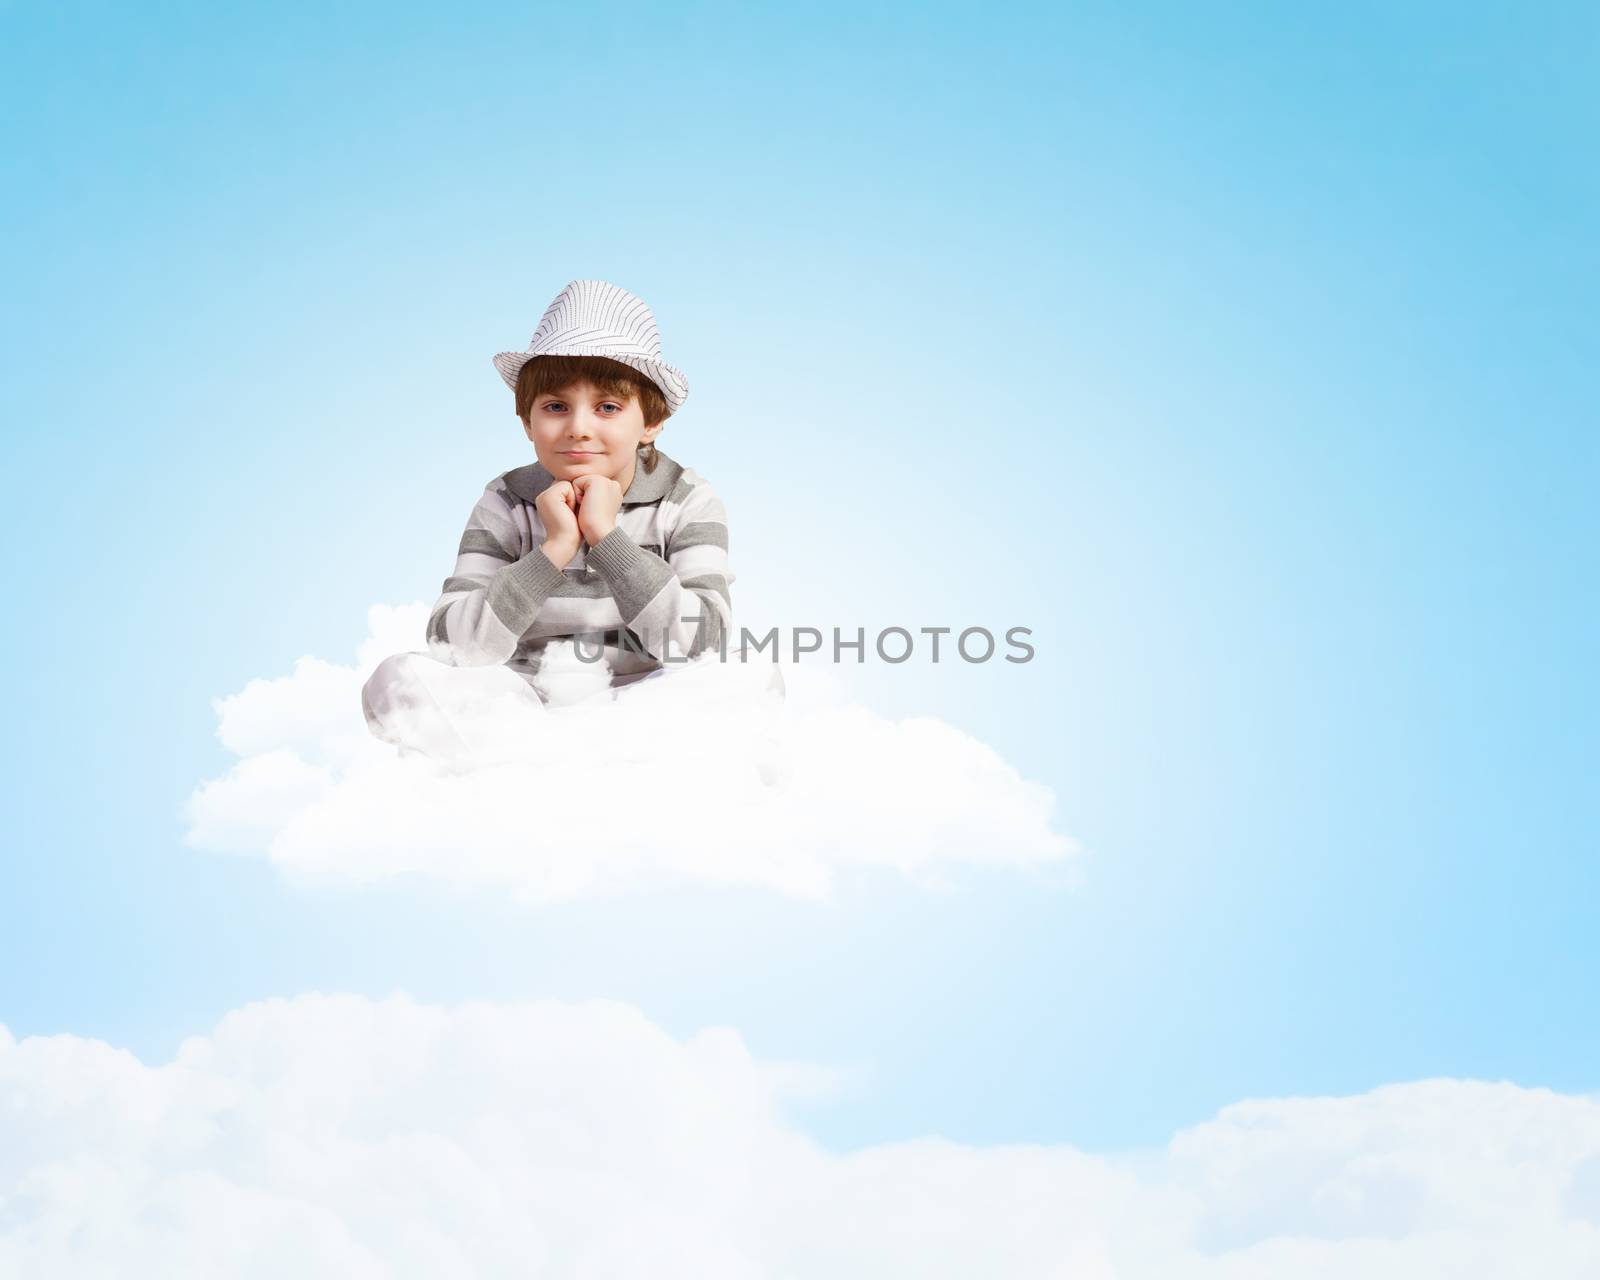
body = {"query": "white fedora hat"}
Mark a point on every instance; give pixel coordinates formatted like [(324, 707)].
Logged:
[(593, 318)]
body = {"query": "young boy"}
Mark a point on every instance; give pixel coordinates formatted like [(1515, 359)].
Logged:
[(604, 540)]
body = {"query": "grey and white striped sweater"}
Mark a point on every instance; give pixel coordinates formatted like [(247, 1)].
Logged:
[(656, 588)]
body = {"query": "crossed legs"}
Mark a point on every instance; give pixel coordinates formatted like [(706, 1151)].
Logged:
[(462, 716)]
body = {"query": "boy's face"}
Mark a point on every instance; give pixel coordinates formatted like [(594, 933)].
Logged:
[(582, 430)]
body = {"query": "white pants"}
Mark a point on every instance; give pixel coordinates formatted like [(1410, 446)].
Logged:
[(462, 716)]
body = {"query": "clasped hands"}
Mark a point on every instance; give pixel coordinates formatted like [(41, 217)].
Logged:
[(581, 510)]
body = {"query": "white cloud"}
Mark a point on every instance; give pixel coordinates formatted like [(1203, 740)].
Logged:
[(626, 794), (336, 1136)]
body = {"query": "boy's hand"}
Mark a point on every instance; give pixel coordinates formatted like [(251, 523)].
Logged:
[(557, 507), (599, 500)]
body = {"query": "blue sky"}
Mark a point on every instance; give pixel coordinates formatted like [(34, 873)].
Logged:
[(1248, 358)]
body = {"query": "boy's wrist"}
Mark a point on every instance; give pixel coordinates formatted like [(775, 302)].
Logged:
[(518, 591), (559, 553), (634, 575)]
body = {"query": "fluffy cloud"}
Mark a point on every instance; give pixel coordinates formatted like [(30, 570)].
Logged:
[(342, 1137), (628, 793)]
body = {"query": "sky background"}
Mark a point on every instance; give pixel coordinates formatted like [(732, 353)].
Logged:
[(1247, 356)]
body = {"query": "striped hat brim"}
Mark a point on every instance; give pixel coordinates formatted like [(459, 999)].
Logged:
[(674, 386)]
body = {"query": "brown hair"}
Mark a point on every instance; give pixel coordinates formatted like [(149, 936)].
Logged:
[(545, 374)]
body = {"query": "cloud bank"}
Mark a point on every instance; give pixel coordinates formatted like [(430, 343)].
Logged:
[(337, 1136), (632, 794)]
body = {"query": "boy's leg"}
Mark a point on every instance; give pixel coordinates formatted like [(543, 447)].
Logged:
[(459, 716), (744, 673), (752, 689), (758, 674)]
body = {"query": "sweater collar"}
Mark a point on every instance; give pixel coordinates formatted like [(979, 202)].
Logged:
[(648, 486)]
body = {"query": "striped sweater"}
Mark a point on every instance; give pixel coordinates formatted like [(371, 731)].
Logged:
[(656, 588)]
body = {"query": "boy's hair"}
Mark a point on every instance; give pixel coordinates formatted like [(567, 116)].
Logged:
[(545, 374)]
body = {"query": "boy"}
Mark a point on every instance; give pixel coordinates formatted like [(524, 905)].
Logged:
[(605, 539)]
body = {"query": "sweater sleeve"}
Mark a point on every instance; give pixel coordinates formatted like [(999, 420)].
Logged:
[(680, 605), (495, 592)]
